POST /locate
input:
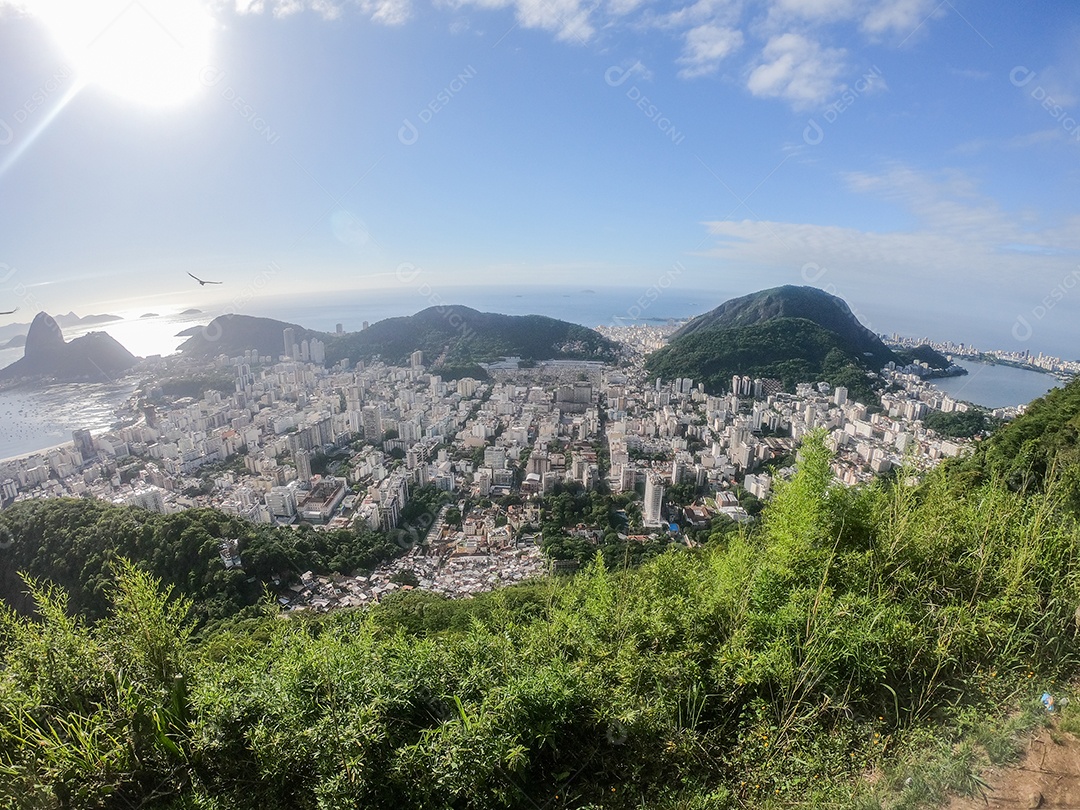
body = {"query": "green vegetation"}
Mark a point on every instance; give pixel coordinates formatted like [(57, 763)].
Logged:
[(792, 350), (891, 629), (234, 334), (77, 543), (1044, 443), (808, 303), (458, 337), (923, 353), (194, 385), (577, 525), (960, 424)]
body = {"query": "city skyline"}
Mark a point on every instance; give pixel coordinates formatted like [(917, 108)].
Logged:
[(900, 154)]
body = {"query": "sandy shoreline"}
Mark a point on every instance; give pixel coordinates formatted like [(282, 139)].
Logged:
[(42, 452)]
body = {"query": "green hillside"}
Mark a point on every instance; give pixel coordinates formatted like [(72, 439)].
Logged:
[(923, 354), (233, 335), (1044, 443), (892, 630), (75, 543), (455, 337), (792, 350), (460, 336), (809, 303)]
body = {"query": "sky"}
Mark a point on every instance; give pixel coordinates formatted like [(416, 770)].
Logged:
[(920, 159)]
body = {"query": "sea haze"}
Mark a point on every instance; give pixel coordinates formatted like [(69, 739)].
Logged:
[(584, 305)]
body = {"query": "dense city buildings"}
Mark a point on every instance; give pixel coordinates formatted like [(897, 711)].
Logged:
[(295, 442)]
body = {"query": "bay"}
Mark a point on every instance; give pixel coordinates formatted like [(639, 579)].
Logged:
[(35, 419)]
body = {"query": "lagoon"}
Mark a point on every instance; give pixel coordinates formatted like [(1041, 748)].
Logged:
[(993, 385)]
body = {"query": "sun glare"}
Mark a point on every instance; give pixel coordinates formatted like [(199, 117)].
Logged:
[(149, 51)]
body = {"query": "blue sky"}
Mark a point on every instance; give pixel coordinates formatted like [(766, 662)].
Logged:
[(908, 155)]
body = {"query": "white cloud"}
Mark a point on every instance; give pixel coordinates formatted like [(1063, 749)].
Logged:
[(706, 46), (286, 8), (619, 8), (569, 20), (899, 17), (718, 12), (387, 12), (960, 235), (821, 10), (566, 18), (326, 9), (798, 70)]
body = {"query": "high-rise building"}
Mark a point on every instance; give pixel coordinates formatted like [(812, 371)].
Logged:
[(303, 465), (495, 457), (372, 423), (416, 359), (84, 443), (654, 499), (281, 501), (290, 340)]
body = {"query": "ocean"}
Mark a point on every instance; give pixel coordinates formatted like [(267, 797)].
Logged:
[(37, 419)]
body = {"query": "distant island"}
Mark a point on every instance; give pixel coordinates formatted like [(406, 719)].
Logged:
[(150, 315), (68, 321), (192, 312), (72, 320)]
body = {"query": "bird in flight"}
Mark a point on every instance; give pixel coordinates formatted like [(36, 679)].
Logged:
[(203, 283), (10, 311)]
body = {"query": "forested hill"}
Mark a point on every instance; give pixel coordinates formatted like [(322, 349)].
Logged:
[(792, 334), (809, 303), (233, 335), (459, 336), (792, 350), (1044, 443), (75, 543), (452, 336)]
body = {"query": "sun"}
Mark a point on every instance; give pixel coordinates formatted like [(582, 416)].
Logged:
[(149, 51)]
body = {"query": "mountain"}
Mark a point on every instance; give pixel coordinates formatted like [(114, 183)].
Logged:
[(15, 343), (793, 334), (811, 304), (448, 335), (71, 319), (94, 357), (9, 330), (457, 335), (789, 301), (235, 334)]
